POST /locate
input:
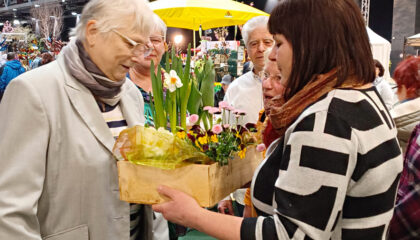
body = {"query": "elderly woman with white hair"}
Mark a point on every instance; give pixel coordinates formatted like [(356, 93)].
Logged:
[(140, 75), (140, 72), (59, 178)]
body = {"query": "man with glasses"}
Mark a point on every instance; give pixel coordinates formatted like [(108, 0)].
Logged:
[(245, 93)]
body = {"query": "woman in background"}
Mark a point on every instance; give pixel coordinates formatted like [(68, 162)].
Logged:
[(383, 86), (139, 74), (406, 113)]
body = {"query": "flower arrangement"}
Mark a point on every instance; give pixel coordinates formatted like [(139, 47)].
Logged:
[(223, 140), (193, 92)]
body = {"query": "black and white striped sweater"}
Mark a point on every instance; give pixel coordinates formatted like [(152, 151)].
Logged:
[(334, 175)]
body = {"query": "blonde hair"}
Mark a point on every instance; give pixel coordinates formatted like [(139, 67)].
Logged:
[(159, 25)]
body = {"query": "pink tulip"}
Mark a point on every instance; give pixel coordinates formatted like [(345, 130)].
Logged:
[(207, 108), (223, 104), (217, 129), (193, 118), (260, 147)]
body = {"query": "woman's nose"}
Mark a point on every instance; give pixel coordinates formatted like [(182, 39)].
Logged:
[(266, 84)]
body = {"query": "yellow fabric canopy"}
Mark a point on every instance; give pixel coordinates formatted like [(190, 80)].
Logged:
[(190, 14)]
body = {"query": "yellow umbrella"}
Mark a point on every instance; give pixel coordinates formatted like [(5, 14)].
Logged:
[(190, 14)]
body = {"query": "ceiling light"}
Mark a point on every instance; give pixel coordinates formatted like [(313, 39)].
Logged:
[(36, 5), (74, 13)]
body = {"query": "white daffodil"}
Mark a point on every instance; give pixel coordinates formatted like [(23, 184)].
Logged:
[(172, 81)]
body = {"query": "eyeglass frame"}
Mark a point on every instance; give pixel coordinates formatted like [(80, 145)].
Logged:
[(263, 75), (146, 50)]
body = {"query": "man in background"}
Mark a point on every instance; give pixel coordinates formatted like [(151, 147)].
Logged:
[(218, 97), (12, 69)]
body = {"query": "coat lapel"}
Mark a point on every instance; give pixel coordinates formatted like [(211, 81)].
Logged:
[(131, 109), (88, 109)]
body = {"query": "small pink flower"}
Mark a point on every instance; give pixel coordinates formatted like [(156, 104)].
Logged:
[(223, 104), (226, 126), (217, 129), (214, 110), (230, 108), (207, 108), (240, 112), (260, 147), (193, 118)]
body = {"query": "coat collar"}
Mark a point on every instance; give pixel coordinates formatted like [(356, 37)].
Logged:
[(87, 107)]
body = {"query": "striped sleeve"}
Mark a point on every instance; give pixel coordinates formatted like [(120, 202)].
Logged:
[(326, 178)]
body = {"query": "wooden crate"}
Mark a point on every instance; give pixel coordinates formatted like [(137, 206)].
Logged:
[(208, 184)]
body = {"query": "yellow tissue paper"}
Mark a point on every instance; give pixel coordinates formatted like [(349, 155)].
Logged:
[(157, 148)]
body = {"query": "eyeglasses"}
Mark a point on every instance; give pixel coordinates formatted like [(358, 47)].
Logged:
[(137, 48), (265, 75), (156, 40)]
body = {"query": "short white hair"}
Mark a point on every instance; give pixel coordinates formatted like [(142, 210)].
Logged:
[(112, 14), (159, 25), (251, 25)]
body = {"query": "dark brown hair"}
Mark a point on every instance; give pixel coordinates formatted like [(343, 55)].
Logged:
[(380, 67), (324, 34), (11, 56)]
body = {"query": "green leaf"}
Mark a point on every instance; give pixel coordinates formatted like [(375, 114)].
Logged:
[(167, 63), (159, 117), (195, 99), (207, 85)]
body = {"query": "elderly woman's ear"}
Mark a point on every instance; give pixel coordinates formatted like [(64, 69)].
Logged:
[(91, 33)]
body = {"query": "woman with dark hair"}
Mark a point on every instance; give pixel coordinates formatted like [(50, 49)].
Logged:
[(383, 86), (334, 171), (406, 113)]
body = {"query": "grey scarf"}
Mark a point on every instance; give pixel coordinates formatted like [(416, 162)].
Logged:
[(86, 72)]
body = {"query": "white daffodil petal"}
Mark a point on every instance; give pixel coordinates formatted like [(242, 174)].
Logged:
[(172, 88), (173, 73)]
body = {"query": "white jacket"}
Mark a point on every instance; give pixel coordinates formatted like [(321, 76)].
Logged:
[(385, 90)]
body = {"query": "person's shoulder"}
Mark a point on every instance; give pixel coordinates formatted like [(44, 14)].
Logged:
[(406, 108), (131, 90), (238, 81), (44, 76), (347, 104)]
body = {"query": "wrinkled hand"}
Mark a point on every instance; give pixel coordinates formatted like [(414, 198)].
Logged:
[(225, 207), (180, 209)]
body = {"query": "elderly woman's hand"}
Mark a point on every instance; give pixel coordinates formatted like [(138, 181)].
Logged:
[(181, 208)]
